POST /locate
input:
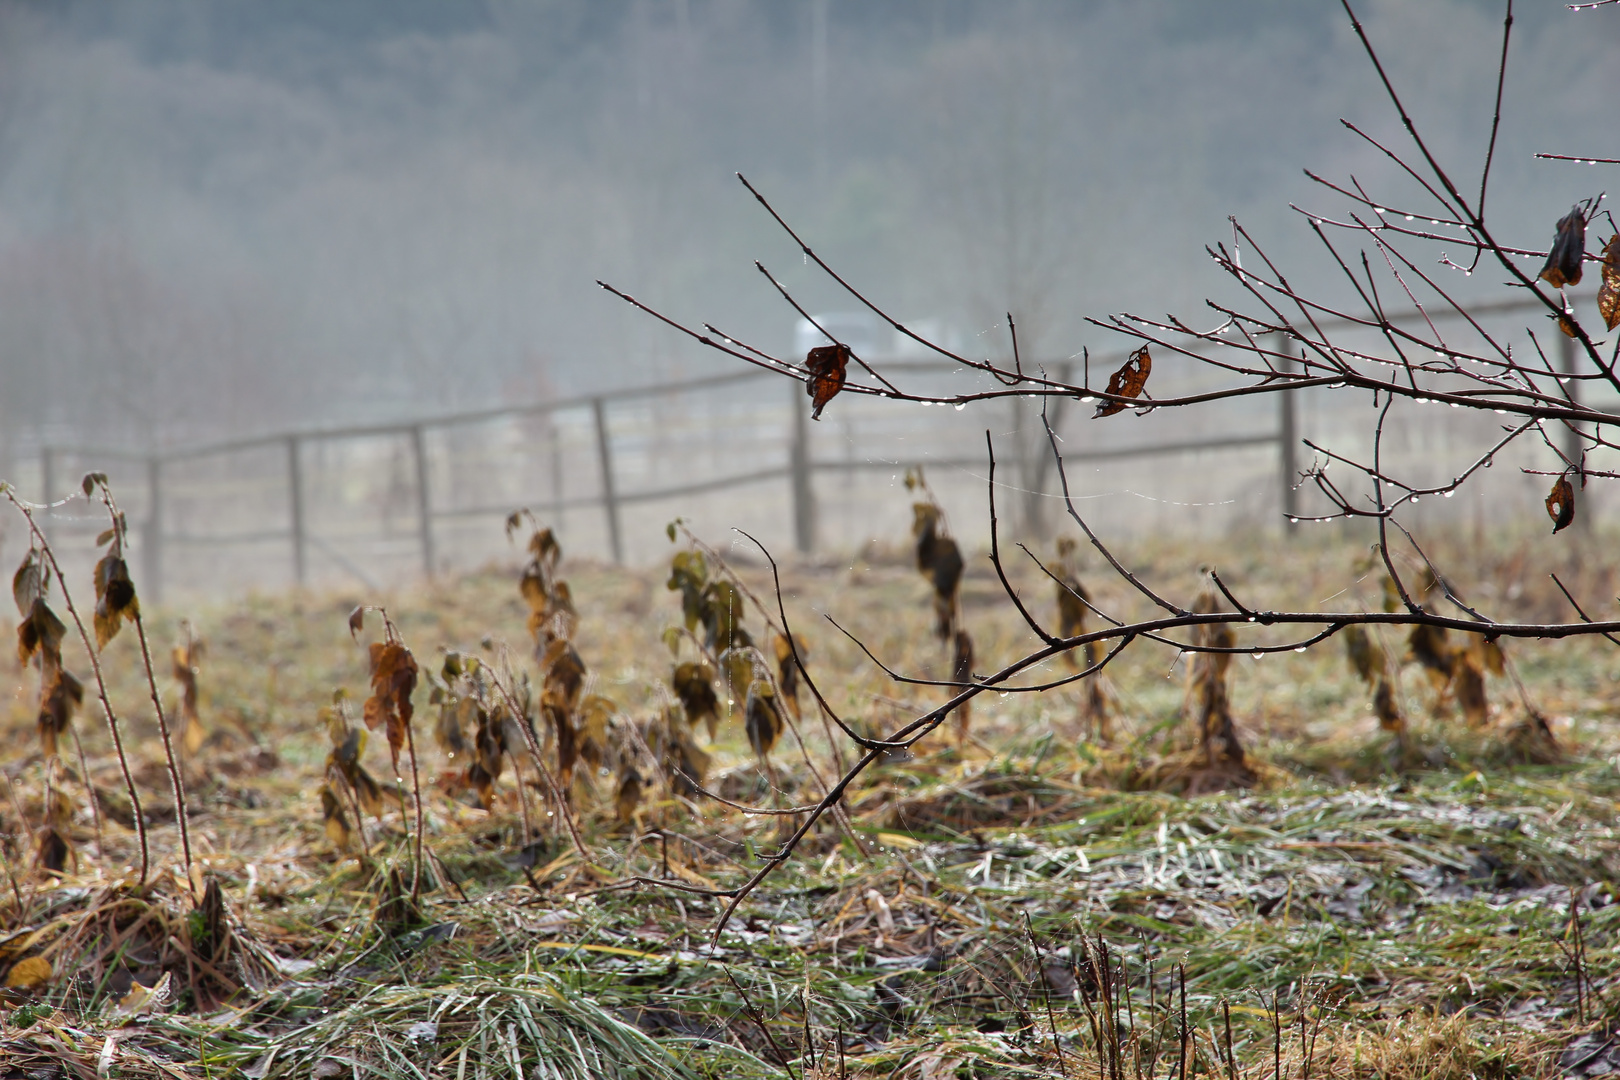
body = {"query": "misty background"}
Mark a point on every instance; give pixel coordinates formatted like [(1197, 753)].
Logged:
[(241, 217), (249, 214)]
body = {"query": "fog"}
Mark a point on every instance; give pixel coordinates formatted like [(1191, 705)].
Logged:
[(240, 216)]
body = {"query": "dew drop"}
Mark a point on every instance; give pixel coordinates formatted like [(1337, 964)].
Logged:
[(1257, 655), (1300, 649), (1408, 217), (1087, 400), (960, 405)]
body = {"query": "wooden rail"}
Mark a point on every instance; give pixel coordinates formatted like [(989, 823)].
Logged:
[(799, 470)]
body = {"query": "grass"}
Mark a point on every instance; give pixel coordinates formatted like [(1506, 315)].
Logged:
[(1030, 904)]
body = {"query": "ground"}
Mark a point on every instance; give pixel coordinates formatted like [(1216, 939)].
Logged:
[(1356, 908)]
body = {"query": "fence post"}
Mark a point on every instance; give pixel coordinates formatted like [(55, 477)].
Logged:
[(295, 494), (804, 495), (152, 534), (1287, 439), (424, 517), (557, 473), (610, 497)]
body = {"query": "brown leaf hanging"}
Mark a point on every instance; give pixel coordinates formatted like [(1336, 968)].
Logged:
[(826, 365), (29, 582), (1564, 260), (40, 632), (694, 686), (185, 657), (1469, 683), (940, 561), (1561, 503), (1127, 382), (62, 696), (393, 679), (787, 670), (115, 597), (1608, 297), (1366, 658), (762, 718)]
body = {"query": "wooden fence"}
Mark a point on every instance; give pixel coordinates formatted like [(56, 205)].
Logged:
[(611, 495)]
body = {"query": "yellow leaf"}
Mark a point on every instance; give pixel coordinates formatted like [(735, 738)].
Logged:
[(30, 973), (899, 840)]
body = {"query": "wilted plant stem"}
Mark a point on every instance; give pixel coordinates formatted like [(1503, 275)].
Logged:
[(176, 782), (539, 762), (89, 789), (101, 683), (416, 793)]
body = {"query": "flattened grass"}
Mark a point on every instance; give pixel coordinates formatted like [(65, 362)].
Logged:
[(1443, 911)]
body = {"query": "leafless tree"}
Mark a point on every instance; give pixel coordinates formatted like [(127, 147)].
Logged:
[(1407, 267)]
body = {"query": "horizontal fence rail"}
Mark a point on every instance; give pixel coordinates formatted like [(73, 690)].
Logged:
[(604, 453)]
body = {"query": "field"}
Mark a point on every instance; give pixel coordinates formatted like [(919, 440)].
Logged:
[(1030, 902)]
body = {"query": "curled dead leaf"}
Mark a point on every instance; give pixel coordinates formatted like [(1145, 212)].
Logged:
[(63, 695), (1561, 503), (693, 684), (115, 597), (1608, 297), (1127, 382), (939, 559), (393, 679), (29, 582), (827, 365), (41, 632), (1569, 246), (762, 718)]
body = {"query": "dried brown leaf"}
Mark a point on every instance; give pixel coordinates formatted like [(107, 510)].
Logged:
[(393, 679), (41, 632), (29, 582), (762, 717), (628, 797), (827, 365), (115, 597), (1608, 297), (693, 684), (1469, 682), (1127, 382), (1569, 246), (940, 561), (62, 697), (29, 973), (1561, 503), (1366, 658)]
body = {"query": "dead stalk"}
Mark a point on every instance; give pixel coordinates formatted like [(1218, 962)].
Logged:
[(27, 511), (176, 781)]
